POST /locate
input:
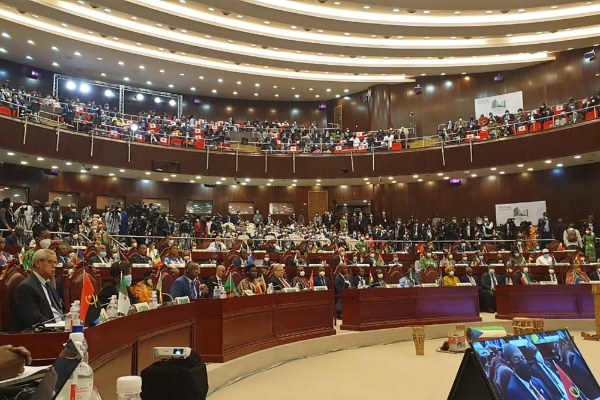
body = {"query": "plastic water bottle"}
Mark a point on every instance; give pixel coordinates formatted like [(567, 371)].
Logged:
[(69, 318), (78, 329), (77, 304), (129, 388), (82, 380), (153, 304), (223, 293), (270, 289), (112, 310), (216, 293)]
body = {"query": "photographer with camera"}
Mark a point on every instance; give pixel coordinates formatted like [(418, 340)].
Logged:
[(54, 215), (71, 219), (112, 218)]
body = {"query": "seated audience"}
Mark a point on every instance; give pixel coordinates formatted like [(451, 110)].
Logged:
[(188, 283), (249, 282), (17, 238), (378, 280), (360, 280), (62, 255), (143, 289), (470, 278), (142, 256), (173, 257), (36, 300), (118, 270), (300, 280), (322, 280), (545, 258), (279, 280), (217, 245), (4, 256), (101, 258), (450, 279), (215, 281)]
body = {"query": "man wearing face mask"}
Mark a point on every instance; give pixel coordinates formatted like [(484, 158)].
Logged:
[(489, 281), (547, 373), (395, 261), (371, 260), (144, 288), (523, 277), (217, 245), (101, 258), (300, 281), (360, 281), (41, 235), (339, 258), (215, 281), (544, 259), (427, 261), (71, 219), (464, 247), (73, 239), (553, 276), (118, 271), (470, 278), (522, 385), (322, 280)]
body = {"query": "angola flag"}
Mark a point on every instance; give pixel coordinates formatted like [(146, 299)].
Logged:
[(230, 288), (90, 306), (573, 392)]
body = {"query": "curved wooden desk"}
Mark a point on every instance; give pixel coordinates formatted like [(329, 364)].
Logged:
[(369, 309), (544, 301), (220, 330)]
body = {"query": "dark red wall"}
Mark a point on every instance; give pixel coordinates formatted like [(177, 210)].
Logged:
[(568, 192)]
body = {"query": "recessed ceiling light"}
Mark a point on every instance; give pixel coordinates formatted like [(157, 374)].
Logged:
[(256, 94), (148, 82), (520, 165), (420, 180), (192, 88), (166, 179), (107, 9), (54, 166), (24, 162), (548, 161), (268, 184), (577, 157), (235, 92), (111, 174), (489, 12), (529, 169), (55, 64), (473, 175), (276, 95), (367, 183), (63, 24), (395, 10), (559, 165), (40, 158), (415, 176), (148, 173), (219, 182), (296, 95), (554, 7), (121, 170), (142, 67), (266, 22), (162, 71), (446, 177), (103, 74), (126, 79), (30, 41), (54, 48), (171, 86), (29, 58), (501, 172), (214, 90), (69, 163)]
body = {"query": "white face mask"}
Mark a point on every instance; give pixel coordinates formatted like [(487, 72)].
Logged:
[(186, 258), (450, 257), (465, 259), (380, 276), (45, 243), (372, 255), (134, 245), (342, 254), (171, 242), (451, 273), (492, 270), (149, 282), (428, 254), (546, 255), (266, 259), (525, 269), (321, 273), (302, 273), (75, 236), (551, 271)]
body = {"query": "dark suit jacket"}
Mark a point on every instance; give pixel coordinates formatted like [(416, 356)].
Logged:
[(277, 285), (322, 281), (356, 280), (538, 372), (486, 281), (558, 278), (517, 391), (181, 287), (111, 289), (465, 279), (30, 305), (594, 276), (340, 284), (211, 283), (12, 240), (139, 259), (460, 249)]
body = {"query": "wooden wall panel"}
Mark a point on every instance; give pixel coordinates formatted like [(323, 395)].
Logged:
[(568, 192), (318, 202)]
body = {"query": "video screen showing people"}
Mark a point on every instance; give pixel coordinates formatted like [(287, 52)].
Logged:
[(537, 366)]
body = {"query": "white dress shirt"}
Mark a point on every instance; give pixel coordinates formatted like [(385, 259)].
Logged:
[(57, 314)]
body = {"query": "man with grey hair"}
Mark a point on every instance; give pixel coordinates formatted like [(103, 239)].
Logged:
[(522, 384), (279, 280), (35, 300)]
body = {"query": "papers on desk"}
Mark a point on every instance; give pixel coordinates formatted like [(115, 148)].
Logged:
[(464, 284), (320, 288), (429, 285), (30, 374), (393, 286), (462, 265), (60, 324), (496, 265), (207, 265), (138, 265), (315, 265), (548, 283), (103, 265), (363, 265)]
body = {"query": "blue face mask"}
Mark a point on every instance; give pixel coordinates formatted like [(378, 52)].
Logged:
[(102, 254), (127, 280)]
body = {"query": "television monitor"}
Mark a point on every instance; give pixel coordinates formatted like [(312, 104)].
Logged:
[(546, 365)]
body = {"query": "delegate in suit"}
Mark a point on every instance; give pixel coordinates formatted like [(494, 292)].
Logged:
[(187, 284)]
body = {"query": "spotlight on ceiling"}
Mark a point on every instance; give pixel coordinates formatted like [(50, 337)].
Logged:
[(84, 88), (71, 85), (172, 103), (109, 93), (139, 96), (134, 127), (157, 100)]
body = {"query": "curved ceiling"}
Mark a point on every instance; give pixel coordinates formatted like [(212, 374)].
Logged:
[(287, 50)]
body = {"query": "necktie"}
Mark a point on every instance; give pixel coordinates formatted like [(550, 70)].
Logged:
[(534, 390), (472, 280), (192, 290), (284, 283), (552, 277), (493, 281), (53, 301)]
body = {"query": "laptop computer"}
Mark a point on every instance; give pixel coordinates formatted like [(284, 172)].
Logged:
[(53, 381)]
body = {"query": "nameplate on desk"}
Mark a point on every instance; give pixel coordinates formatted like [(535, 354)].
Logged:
[(207, 265), (102, 265), (548, 283), (429, 285), (363, 265), (176, 265), (594, 282), (290, 290), (248, 292), (139, 307), (464, 284), (563, 264), (462, 265), (496, 265), (503, 251), (137, 265), (315, 265), (320, 288), (393, 286), (182, 300)]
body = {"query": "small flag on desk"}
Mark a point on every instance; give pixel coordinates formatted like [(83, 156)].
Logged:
[(78, 257), (370, 278), (522, 261), (22, 254), (250, 259), (124, 302), (525, 279), (577, 260), (90, 306), (230, 287), (262, 285), (311, 280), (380, 261), (159, 287), (157, 261)]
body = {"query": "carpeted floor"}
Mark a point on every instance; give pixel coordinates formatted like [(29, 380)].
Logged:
[(369, 373)]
